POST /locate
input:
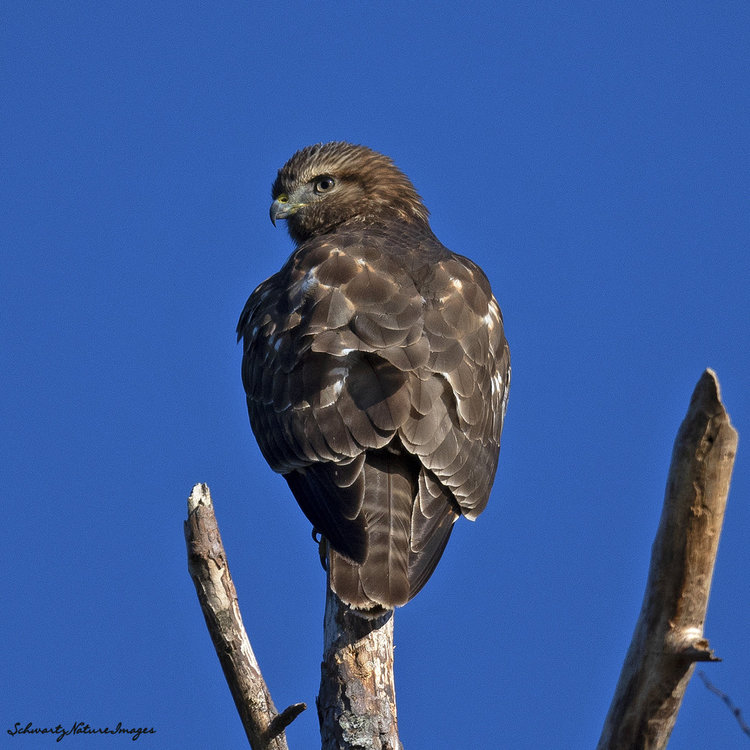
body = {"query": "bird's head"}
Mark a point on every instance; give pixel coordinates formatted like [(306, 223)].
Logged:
[(324, 185)]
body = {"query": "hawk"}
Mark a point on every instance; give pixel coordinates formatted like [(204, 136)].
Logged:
[(376, 371)]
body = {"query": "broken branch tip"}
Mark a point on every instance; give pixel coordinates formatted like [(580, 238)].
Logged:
[(199, 495)]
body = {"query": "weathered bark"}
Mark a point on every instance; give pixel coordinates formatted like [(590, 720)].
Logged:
[(357, 700), (668, 637), (207, 563)]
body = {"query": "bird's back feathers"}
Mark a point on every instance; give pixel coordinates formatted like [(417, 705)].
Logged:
[(376, 371)]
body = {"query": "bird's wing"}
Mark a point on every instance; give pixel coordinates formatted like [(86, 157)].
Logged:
[(463, 393)]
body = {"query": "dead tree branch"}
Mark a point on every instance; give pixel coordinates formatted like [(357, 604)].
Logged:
[(357, 700), (207, 563), (736, 712), (668, 637), (357, 704)]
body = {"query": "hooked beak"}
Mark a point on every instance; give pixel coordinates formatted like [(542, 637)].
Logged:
[(283, 208)]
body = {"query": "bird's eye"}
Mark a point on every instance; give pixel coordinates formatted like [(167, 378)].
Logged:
[(324, 184)]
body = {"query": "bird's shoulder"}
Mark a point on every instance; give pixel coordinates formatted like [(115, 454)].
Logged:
[(369, 268)]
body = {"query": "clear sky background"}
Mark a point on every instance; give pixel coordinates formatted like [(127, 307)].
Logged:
[(592, 157)]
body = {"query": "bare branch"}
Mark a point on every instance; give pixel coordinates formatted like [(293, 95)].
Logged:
[(207, 563), (727, 700), (668, 637), (357, 700)]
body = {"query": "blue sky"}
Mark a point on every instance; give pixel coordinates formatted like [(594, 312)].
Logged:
[(593, 158)]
